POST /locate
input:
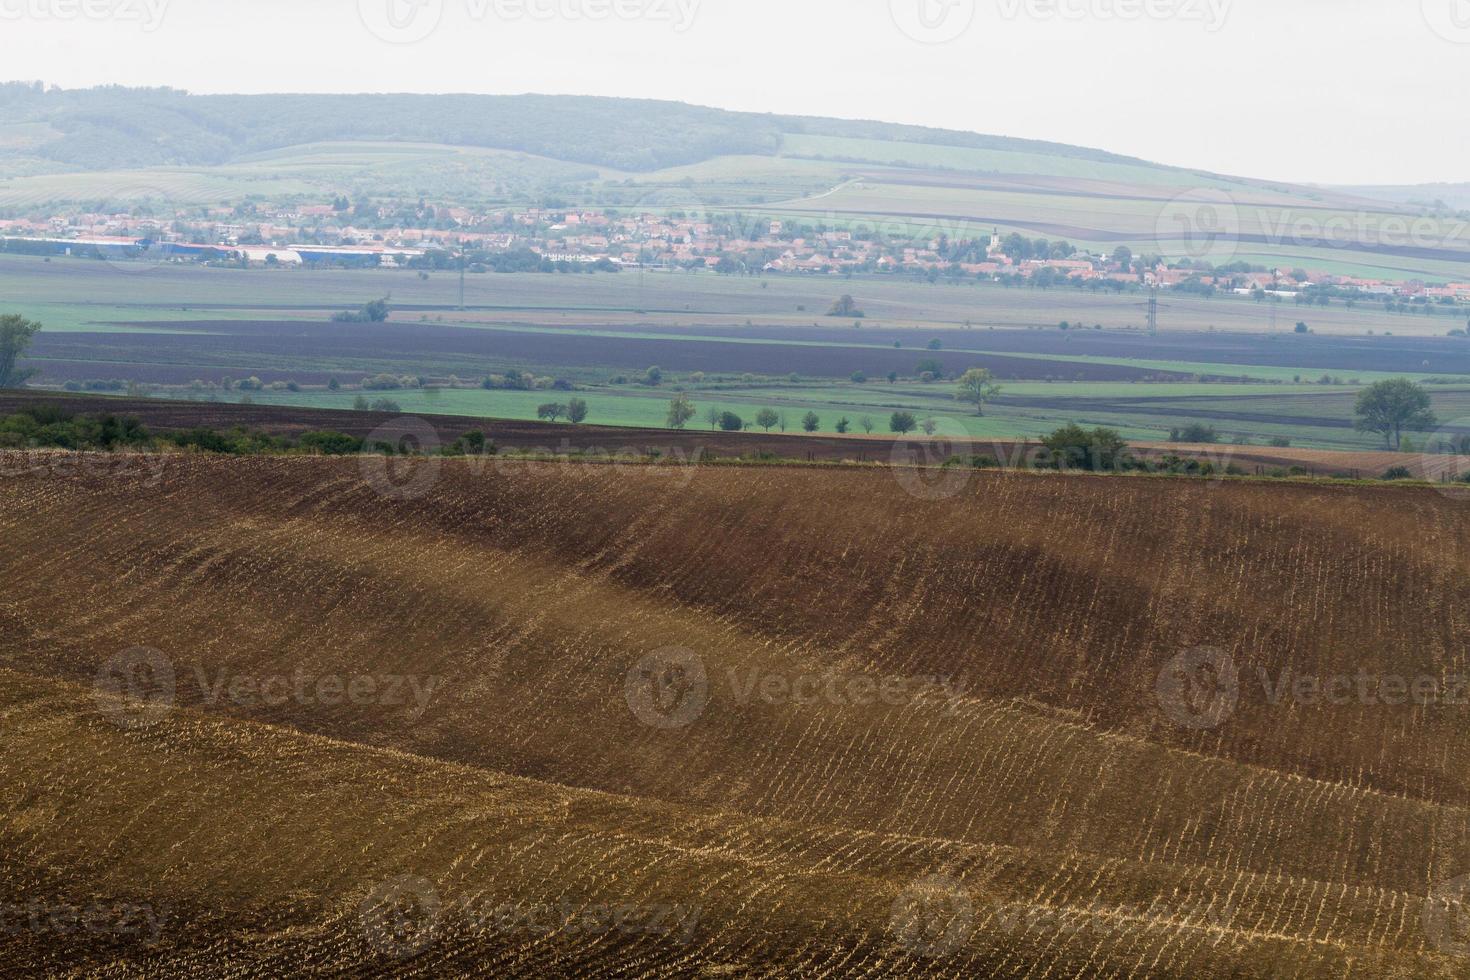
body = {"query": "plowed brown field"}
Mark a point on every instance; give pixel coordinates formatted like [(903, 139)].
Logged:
[(572, 720)]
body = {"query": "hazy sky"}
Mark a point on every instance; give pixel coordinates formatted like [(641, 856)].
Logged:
[(1308, 90)]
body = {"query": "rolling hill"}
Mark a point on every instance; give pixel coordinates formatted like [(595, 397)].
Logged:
[(103, 128), (842, 721)]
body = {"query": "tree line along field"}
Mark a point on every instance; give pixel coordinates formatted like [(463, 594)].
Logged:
[(637, 440), (1299, 414), (1027, 804)]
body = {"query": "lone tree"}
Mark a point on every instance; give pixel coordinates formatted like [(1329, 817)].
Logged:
[(810, 422), (1393, 407), (681, 410), (15, 336), (577, 411), (767, 418), (846, 306), (551, 411), (902, 422), (976, 387), (1073, 447), (712, 417)]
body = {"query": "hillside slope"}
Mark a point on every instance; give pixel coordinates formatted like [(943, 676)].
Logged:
[(111, 127), (865, 725)]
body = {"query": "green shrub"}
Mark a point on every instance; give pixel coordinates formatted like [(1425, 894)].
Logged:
[(330, 443)]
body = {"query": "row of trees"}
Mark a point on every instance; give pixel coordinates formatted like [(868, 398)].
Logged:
[(976, 386), (682, 410), (574, 411), (1388, 408)]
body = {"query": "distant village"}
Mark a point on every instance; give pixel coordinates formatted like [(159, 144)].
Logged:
[(430, 238)]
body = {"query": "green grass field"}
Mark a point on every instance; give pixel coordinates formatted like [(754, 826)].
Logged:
[(74, 297), (968, 159), (1310, 416)]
